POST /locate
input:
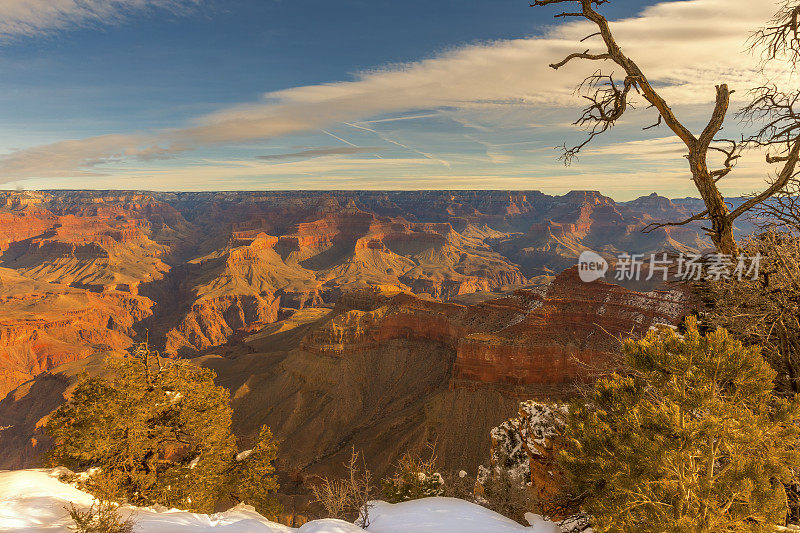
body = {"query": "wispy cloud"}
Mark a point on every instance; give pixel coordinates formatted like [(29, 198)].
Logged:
[(400, 118), (686, 47), (80, 157), (321, 152), (401, 145), (35, 17), (670, 148)]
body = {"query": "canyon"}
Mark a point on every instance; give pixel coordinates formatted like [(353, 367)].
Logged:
[(368, 319)]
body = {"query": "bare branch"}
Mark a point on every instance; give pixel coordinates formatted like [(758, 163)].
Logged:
[(548, 2), (607, 103), (787, 173), (657, 124), (777, 114), (780, 39), (732, 155), (717, 118), (693, 218), (632, 71), (578, 55), (782, 211), (776, 158)]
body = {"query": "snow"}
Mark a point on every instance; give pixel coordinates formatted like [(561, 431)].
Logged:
[(241, 456), (30, 500), (238, 520), (441, 515), (34, 501)]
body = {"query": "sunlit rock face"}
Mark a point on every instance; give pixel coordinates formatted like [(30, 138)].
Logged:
[(198, 269), (570, 327)]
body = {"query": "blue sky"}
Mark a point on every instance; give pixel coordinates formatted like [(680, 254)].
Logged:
[(277, 94)]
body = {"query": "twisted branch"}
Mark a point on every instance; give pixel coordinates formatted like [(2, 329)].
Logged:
[(656, 225)]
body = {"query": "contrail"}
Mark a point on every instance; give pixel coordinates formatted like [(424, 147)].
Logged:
[(382, 136), (345, 141), (337, 137), (395, 119)]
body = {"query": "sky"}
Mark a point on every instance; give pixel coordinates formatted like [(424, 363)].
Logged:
[(353, 94)]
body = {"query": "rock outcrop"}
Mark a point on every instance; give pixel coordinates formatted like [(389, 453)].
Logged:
[(571, 326), (214, 266), (387, 371), (71, 266), (257, 277)]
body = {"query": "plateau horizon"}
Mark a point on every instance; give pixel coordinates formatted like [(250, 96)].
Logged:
[(561, 192)]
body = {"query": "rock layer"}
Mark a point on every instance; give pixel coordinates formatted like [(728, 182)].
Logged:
[(571, 325)]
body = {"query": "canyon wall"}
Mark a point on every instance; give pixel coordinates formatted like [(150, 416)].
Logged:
[(388, 371), (375, 319), (198, 270)]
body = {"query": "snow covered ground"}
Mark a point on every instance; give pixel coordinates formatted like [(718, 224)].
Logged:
[(34, 501)]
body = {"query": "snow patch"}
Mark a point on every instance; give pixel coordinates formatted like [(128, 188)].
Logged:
[(241, 456), (34, 501)]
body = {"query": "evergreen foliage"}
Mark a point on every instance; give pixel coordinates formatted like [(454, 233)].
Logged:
[(156, 432), (254, 480), (692, 439), (766, 310)]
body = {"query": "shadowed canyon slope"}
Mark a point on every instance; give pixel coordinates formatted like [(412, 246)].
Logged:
[(339, 318), (387, 371)]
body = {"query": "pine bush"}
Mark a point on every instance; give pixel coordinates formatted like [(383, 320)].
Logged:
[(690, 439), (101, 517), (254, 480), (158, 431)]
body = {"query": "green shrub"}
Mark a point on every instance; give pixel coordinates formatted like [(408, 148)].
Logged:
[(691, 439), (414, 478), (101, 517), (156, 432), (254, 481)]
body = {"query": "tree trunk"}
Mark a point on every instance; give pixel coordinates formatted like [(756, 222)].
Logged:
[(721, 231)]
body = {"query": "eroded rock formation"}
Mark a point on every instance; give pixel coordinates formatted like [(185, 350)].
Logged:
[(330, 316)]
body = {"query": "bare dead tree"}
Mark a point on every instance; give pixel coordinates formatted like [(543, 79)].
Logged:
[(782, 212), (608, 101), (349, 497), (780, 38), (777, 112)]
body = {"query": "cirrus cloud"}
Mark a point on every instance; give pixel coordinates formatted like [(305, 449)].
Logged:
[(686, 47), (322, 152), (35, 17)]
